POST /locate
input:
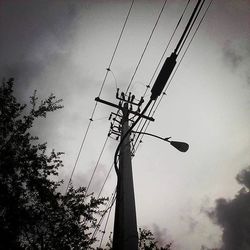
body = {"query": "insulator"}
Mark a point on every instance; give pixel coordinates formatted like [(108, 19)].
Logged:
[(129, 96), (141, 101), (132, 98), (110, 116), (123, 95), (117, 93)]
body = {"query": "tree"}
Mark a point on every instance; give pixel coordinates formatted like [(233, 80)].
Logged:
[(146, 241), (33, 213)]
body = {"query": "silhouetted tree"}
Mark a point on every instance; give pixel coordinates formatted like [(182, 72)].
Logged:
[(146, 241), (33, 213)]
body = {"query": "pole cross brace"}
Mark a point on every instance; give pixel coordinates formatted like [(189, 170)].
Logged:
[(98, 99)]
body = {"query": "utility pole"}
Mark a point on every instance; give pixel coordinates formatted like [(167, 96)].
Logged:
[(125, 236), (125, 226)]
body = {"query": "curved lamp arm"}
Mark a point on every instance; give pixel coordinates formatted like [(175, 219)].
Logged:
[(181, 146)]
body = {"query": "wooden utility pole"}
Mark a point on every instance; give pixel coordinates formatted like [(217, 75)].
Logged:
[(125, 235), (125, 226)]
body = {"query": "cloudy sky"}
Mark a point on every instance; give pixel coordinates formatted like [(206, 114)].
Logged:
[(64, 47)]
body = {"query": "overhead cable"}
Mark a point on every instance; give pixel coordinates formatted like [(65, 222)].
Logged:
[(97, 163), (107, 176), (102, 86), (108, 207), (105, 227), (146, 46), (156, 69), (187, 26), (170, 80), (178, 65)]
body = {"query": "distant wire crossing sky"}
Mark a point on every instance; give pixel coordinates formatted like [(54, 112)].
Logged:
[(102, 86)]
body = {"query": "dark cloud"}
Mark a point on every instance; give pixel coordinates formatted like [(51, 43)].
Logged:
[(34, 33), (233, 216), (244, 177)]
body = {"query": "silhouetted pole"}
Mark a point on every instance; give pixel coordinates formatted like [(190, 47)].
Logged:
[(125, 225)]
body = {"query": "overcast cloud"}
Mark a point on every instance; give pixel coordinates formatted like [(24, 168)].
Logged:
[(64, 47)]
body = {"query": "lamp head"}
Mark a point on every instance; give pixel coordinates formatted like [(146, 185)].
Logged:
[(181, 146)]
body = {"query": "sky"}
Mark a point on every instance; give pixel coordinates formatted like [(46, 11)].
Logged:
[(64, 47)]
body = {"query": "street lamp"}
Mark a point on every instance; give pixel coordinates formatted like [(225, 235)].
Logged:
[(181, 146)]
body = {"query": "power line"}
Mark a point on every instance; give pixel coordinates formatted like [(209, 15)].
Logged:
[(146, 46), (156, 69), (97, 163), (107, 176), (108, 207), (187, 27), (193, 22), (163, 54), (167, 86), (173, 33), (146, 123), (105, 227), (153, 98), (102, 86), (198, 26)]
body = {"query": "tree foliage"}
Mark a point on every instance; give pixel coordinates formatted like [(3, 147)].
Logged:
[(33, 213), (146, 241)]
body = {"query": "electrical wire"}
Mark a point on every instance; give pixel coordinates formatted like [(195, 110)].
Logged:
[(105, 227), (127, 133), (177, 51), (146, 46), (116, 85), (163, 54), (108, 207), (107, 176), (198, 26), (165, 89), (150, 101), (102, 86), (193, 22), (167, 86), (164, 93), (156, 69), (145, 122), (97, 163)]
